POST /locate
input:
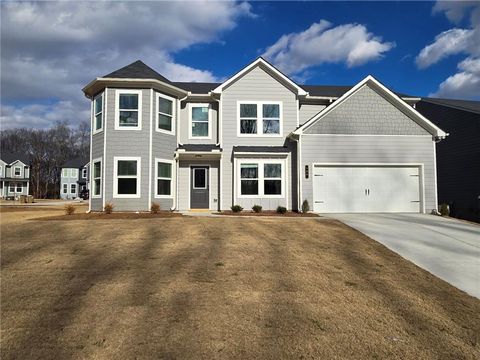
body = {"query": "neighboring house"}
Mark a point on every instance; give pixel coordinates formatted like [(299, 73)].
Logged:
[(74, 178), (257, 138), (458, 157), (14, 175)]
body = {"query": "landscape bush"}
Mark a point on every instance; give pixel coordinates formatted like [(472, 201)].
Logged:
[(281, 209), (236, 208), (155, 208), (257, 208), (305, 206), (444, 210), (69, 209), (108, 208)]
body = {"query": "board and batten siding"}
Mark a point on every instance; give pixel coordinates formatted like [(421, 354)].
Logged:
[(184, 124), (373, 150), (256, 85), (185, 186)]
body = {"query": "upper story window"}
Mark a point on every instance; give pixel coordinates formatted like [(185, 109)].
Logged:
[(165, 114), (261, 118), (128, 115), (74, 173), (200, 127), (17, 171), (98, 113), (64, 172), (126, 177)]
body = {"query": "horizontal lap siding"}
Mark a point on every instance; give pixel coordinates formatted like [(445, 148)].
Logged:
[(369, 149), (97, 152), (184, 125), (307, 111), (256, 85)]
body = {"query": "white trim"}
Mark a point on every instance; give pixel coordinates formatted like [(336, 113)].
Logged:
[(64, 188), (298, 112), (94, 122), (400, 103), (190, 121), (91, 145), (174, 111), (74, 173), (272, 154), (220, 122), (259, 118), (75, 191), (150, 153), (138, 176), (260, 177), (119, 92), (304, 134), (172, 178), (190, 183), (301, 173), (380, 165), (435, 172), (84, 169), (104, 160), (134, 80), (92, 187), (15, 171), (255, 63)]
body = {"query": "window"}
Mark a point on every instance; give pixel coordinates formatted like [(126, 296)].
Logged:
[(73, 188), (97, 178), (199, 178), (260, 118), (200, 121), (127, 177), (17, 171), (64, 172), (65, 188), (19, 188), (262, 178), (128, 110), (98, 113), (165, 108), (11, 188), (74, 173), (164, 177), (84, 173)]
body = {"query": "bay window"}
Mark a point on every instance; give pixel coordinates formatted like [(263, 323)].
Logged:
[(98, 113), (164, 171), (249, 179), (261, 178), (165, 111), (126, 177), (128, 110), (200, 121), (272, 179), (97, 178), (261, 118)]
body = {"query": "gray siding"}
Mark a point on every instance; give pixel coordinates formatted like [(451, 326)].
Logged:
[(366, 113), (307, 111), (6, 189), (184, 183), (184, 124), (370, 149), (256, 85), (9, 173)]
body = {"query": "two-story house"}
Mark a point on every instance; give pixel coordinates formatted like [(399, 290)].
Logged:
[(74, 178), (257, 138), (14, 175)]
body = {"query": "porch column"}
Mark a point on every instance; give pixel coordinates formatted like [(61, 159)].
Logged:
[(28, 187)]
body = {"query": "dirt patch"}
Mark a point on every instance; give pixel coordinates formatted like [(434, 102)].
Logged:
[(112, 216), (10, 209), (223, 287), (267, 213)]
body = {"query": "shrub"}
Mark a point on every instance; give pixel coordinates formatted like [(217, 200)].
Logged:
[(236, 208), (305, 206), (108, 208), (155, 208), (257, 208), (69, 209), (281, 209), (444, 210)]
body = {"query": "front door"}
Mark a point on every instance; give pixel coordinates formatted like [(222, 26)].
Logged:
[(199, 189)]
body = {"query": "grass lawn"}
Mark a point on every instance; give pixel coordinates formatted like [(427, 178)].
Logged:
[(225, 287)]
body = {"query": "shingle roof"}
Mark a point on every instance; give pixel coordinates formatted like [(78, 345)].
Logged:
[(197, 87), (199, 147), (261, 149), (75, 163), (10, 157), (465, 105), (137, 70)]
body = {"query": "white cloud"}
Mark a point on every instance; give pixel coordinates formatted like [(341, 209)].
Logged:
[(322, 43), (465, 83), (52, 49)]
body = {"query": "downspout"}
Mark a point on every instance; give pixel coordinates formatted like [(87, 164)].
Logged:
[(175, 198)]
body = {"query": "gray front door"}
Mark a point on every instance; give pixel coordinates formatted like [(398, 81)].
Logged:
[(199, 190)]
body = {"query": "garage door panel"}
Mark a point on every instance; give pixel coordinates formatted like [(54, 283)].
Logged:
[(366, 189)]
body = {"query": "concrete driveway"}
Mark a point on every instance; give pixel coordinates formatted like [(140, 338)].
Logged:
[(449, 249)]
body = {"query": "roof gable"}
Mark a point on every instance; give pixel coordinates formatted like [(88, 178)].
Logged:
[(387, 95), (10, 157)]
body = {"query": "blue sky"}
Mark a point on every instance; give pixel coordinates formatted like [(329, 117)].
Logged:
[(50, 50)]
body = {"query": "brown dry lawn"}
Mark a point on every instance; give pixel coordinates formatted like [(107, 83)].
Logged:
[(229, 288)]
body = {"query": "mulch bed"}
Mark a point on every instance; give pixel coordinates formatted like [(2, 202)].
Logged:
[(112, 216), (267, 213)]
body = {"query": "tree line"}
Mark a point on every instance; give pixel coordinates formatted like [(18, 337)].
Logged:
[(47, 150)]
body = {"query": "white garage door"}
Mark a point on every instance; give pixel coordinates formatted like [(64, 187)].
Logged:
[(366, 189)]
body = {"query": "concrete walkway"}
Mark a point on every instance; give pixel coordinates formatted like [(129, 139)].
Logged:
[(448, 248)]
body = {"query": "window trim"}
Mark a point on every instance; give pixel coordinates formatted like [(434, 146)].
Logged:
[(119, 92), (84, 170), (96, 131), (71, 186), (116, 159), (74, 173), (261, 178), (19, 186), (190, 121), (1, 170), (94, 161), (172, 181), (260, 118), (14, 186), (174, 118), (65, 172), (14, 171), (65, 188)]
